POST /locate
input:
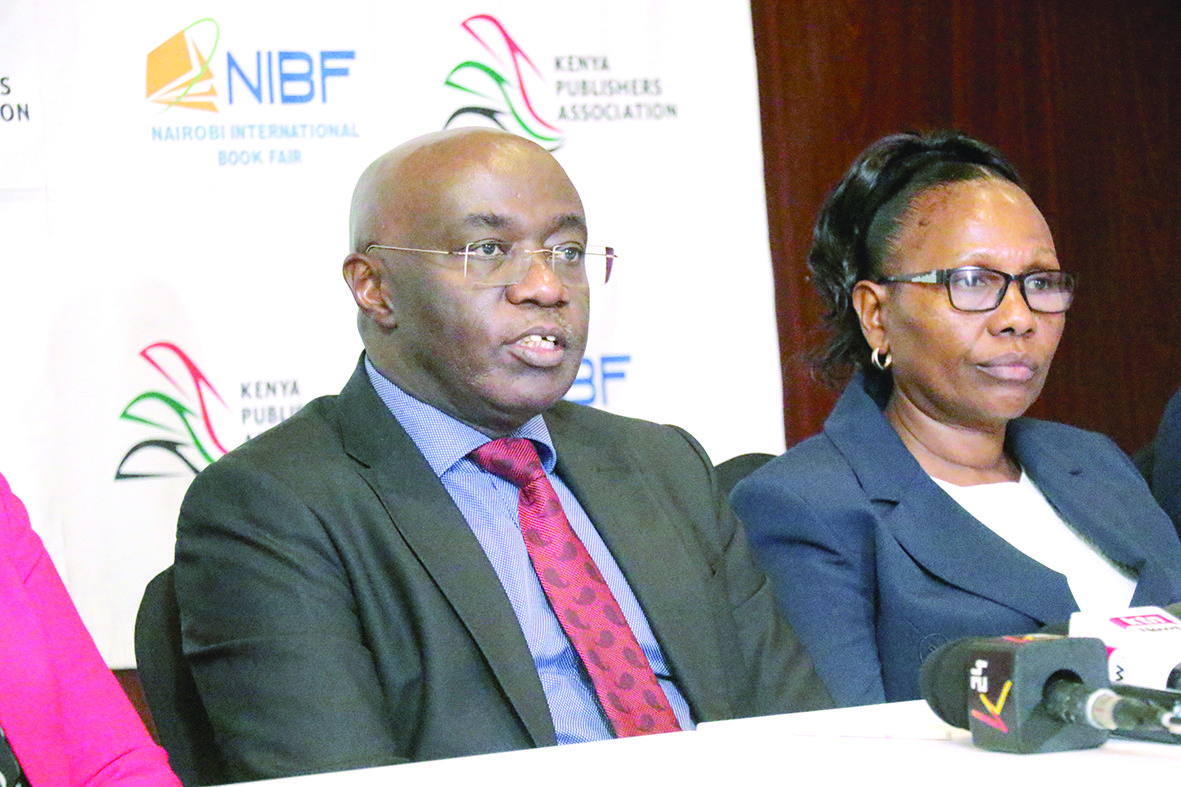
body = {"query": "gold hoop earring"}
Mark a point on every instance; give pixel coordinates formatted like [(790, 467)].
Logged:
[(881, 359)]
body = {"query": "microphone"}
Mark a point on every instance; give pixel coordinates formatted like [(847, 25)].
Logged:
[(1040, 693), (1143, 645)]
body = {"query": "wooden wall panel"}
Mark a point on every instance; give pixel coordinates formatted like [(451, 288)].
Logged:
[(1081, 94)]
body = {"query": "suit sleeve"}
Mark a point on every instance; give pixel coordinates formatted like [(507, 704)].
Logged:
[(102, 740), (271, 631), (820, 561), (777, 674), (783, 676)]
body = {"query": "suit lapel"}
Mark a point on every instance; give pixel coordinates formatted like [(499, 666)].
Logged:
[(933, 529), (953, 545), (648, 543), (1090, 502), (420, 509)]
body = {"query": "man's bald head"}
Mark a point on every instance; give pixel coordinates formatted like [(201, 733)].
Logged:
[(405, 182)]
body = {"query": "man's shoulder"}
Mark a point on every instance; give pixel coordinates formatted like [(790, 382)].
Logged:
[(309, 430), (302, 446), (566, 412), (621, 434)]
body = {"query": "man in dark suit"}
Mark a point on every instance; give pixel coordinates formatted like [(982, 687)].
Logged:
[(354, 586), (1160, 462)]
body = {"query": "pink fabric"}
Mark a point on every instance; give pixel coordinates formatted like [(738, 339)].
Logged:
[(64, 714)]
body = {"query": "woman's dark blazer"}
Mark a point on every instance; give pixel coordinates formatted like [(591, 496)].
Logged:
[(875, 565)]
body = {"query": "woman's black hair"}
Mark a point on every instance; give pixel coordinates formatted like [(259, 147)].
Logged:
[(854, 228)]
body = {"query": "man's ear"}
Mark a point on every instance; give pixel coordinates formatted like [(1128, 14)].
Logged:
[(869, 298), (367, 279)]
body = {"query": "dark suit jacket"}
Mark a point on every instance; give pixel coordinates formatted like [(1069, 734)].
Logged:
[(875, 565), (338, 612), (1160, 462)]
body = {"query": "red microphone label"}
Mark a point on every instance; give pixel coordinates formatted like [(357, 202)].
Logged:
[(1142, 622)]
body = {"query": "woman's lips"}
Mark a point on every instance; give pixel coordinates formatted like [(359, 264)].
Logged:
[(1011, 368)]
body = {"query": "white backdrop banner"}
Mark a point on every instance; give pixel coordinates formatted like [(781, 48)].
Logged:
[(174, 189)]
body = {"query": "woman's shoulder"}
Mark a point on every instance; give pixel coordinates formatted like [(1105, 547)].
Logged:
[(1042, 428), (1050, 450), (811, 476), (813, 460), (1063, 440)]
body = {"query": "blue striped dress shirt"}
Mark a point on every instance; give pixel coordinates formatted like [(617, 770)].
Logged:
[(489, 503)]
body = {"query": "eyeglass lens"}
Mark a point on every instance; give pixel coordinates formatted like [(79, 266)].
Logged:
[(983, 290), (495, 265)]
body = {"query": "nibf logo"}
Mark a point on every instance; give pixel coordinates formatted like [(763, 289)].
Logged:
[(178, 72)]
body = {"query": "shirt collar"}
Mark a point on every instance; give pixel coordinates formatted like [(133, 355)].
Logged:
[(442, 439)]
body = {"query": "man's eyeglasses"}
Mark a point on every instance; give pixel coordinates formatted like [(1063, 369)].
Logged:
[(976, 289), (496, 264)]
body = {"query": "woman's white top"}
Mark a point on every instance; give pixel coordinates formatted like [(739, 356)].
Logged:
[(1018, 512)]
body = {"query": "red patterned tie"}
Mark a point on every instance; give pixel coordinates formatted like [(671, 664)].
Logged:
[(624, 682)]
